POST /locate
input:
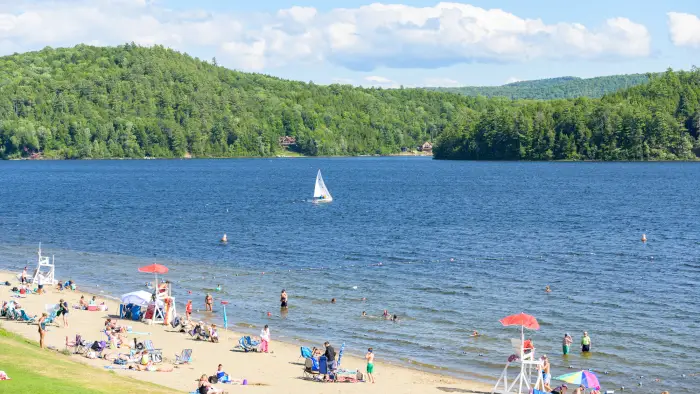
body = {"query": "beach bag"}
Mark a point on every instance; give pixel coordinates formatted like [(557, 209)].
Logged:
[(360, 376), (213, 379), (15, 288)]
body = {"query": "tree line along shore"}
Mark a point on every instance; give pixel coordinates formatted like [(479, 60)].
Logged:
[(135, 102)]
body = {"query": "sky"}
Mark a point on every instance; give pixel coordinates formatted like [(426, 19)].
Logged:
[(388, 44)]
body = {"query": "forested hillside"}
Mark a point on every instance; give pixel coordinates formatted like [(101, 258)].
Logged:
[(553, 88), (130, 101), (656, 121)]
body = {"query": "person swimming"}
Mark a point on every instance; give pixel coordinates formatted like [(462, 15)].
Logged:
[(644, 238), (395, 318), (218, 287), (332, 300), (547, 289), (475, 334), (364, 314), (224, 239)]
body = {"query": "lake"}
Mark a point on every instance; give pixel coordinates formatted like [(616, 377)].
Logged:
[(448, 246)]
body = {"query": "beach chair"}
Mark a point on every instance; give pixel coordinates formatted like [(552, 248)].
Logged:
[(184, 358), (305, 352), (156, 354), (24, 317), (248, 345), (311, 369)]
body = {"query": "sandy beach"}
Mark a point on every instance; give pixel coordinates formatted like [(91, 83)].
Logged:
[(277, 372)]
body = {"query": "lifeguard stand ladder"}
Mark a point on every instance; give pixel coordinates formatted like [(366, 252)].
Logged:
[(48, 272), (524, 379)]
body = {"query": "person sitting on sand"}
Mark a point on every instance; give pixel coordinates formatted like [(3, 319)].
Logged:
[(316, 353), (204, 387), (82, 303), (93, 301), (59, 286), (222, 376), (580, 390), (213, 334), (560, 389)]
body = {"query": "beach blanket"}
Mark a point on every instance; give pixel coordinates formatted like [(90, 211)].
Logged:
[(344, 375), (3, 376)]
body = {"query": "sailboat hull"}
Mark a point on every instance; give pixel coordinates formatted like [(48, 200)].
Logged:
[(322, 200)]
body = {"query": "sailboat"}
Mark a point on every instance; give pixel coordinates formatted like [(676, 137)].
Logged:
[(321, 193)]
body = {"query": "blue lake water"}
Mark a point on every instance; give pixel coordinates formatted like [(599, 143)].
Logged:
[(461, 245)]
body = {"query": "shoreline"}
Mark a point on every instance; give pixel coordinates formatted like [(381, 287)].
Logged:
[(274, 373)]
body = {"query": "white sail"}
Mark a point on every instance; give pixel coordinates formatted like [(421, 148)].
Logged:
[(321, 193)]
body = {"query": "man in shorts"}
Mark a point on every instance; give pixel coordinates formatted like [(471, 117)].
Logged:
[(370, 365), (546, 374), (585, 343)]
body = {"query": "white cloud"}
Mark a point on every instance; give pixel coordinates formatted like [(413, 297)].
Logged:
[(363, 38), (441, 82), (513, 80), (684, 29)]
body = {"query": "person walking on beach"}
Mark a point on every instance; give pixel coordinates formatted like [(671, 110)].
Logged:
[(188, 309), (23, 278), (585, 343), (63, 310), (546, 374), (566, 344), (265, 339), (209, 302), (370, 364), (42, 328), (283, 299)]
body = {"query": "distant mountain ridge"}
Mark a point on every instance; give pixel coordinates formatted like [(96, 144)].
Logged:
[(554, 88)]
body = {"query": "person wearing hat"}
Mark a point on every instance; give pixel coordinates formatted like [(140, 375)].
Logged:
[(585, 343), (566, 343), (560, 389)]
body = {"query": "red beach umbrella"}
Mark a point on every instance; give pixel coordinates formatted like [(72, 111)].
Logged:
[(521, 319), (154, 269)]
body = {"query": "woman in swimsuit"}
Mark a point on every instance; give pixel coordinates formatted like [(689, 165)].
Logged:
[(283, 299), (42, 328), (208, 301)]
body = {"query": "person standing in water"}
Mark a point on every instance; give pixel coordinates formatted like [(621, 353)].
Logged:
[(209, 302), (283, 299), (585, 343), (370, 364), (566, 344), (188, 309)]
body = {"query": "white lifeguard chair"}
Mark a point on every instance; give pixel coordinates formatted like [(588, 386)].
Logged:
[(529, 373), (45, 269), (164, 306)]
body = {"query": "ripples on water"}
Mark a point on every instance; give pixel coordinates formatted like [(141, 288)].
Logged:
[(462, 244)]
